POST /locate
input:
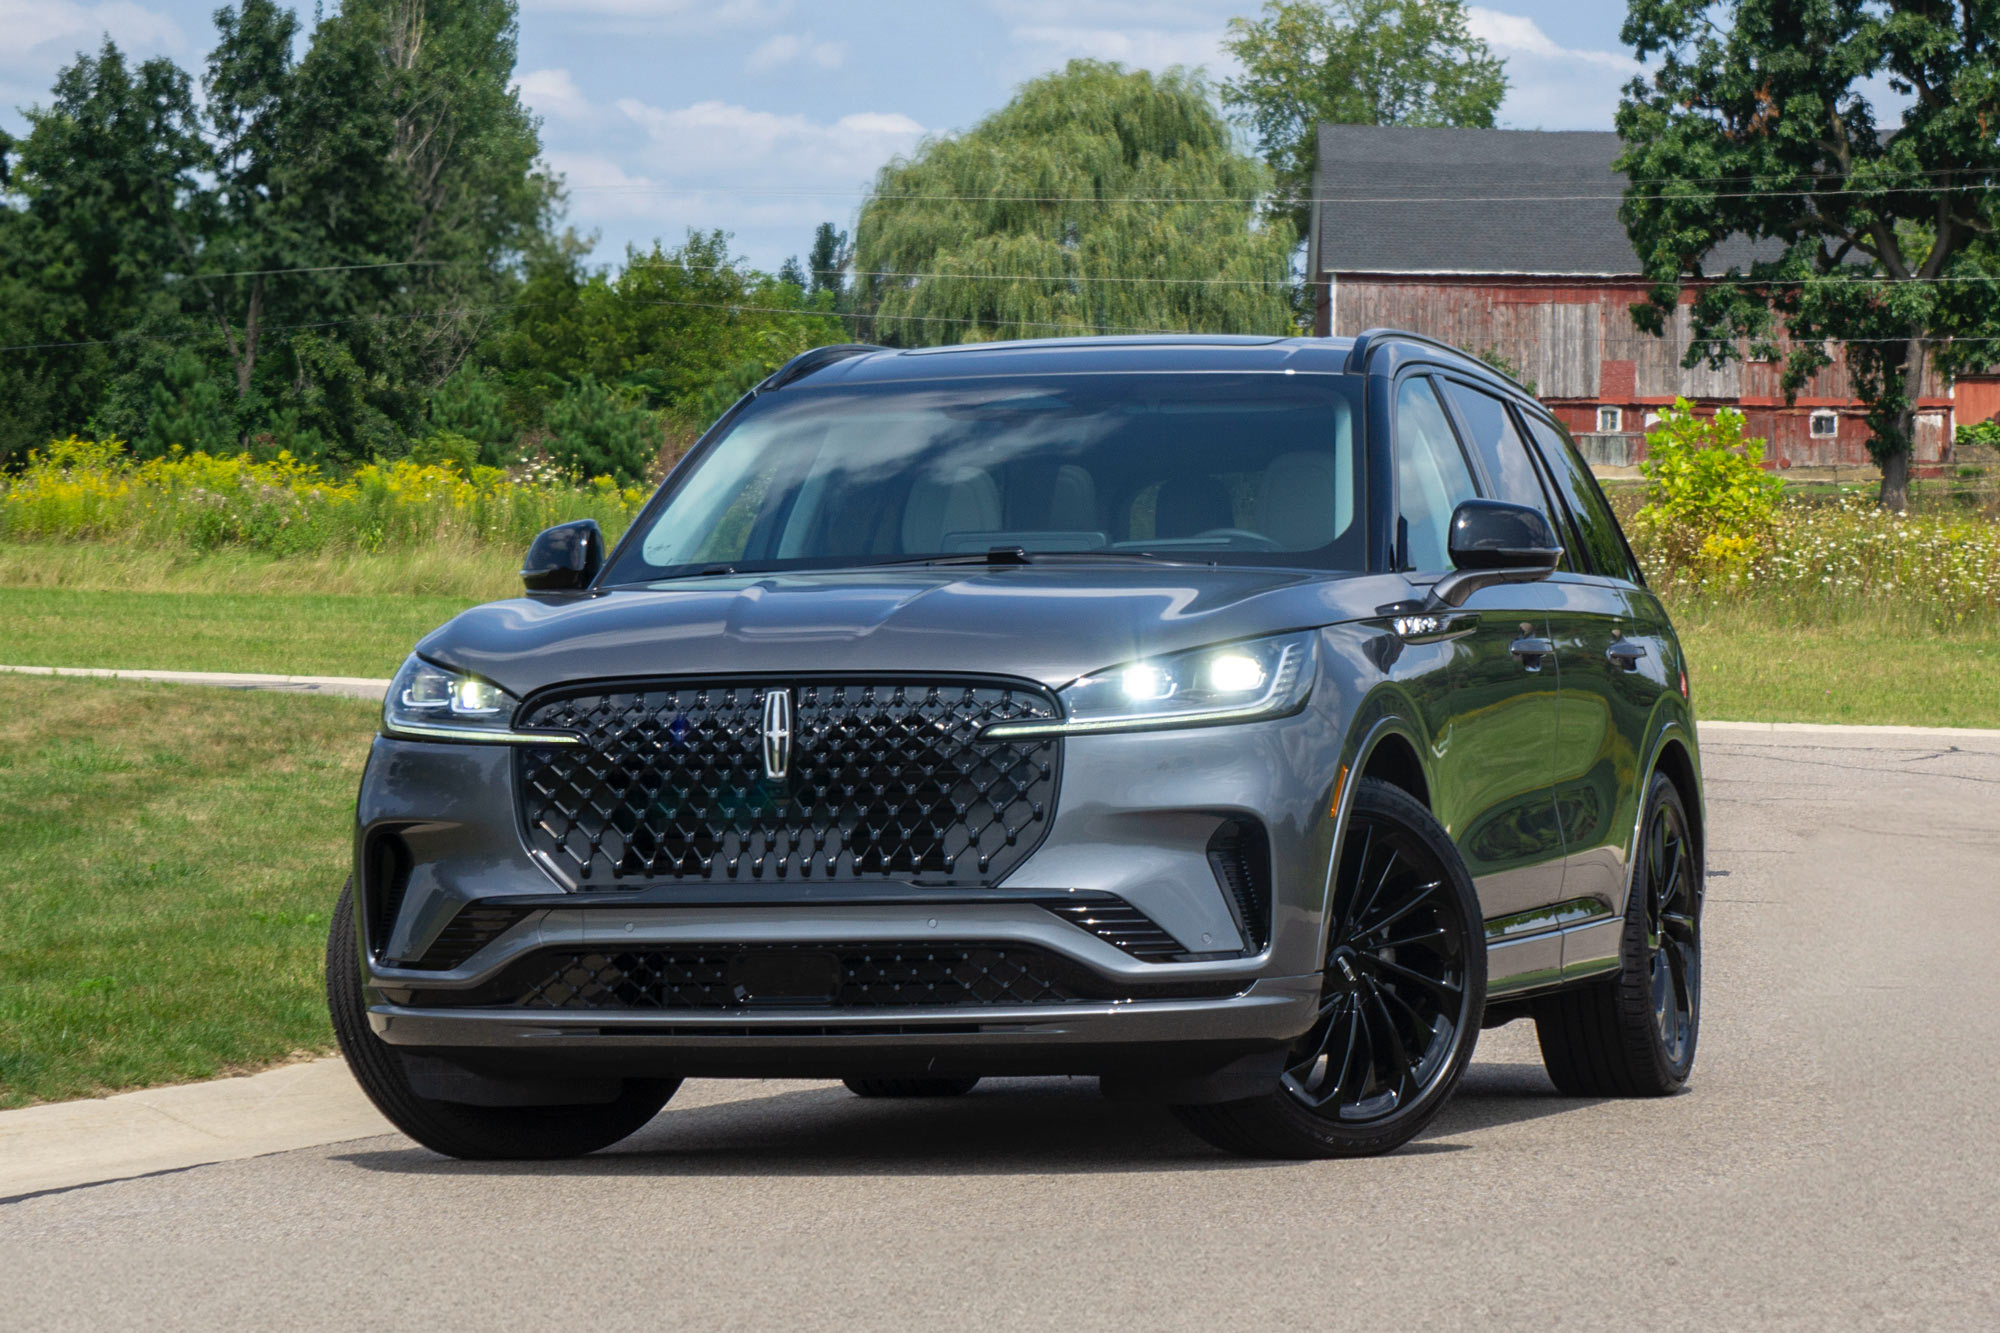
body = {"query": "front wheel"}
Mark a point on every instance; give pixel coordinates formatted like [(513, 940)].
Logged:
[(453, 1128), (1633, 1034), (1403, 990)]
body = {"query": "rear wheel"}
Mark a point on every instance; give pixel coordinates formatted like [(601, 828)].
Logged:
[(1633, 1034), (921, 1086), (1403, 989), (453, 1128)]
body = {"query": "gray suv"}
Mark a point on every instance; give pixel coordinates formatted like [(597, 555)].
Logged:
[(1244, 722)]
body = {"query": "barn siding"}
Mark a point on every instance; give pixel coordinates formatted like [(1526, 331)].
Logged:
[(1576, 341)]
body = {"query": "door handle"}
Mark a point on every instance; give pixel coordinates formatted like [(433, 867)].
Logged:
[(1625, 654), (1532, 652)]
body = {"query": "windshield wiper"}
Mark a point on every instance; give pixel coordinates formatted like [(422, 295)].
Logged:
[(1018, 555)]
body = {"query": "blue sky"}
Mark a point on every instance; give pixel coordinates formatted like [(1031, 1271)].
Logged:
[(765, 117)]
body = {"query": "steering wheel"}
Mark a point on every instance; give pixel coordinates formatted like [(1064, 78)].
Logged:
[(1257, 541)]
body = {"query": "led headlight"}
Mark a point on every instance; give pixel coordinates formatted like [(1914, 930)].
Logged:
[(1230, 682), (427, 702)]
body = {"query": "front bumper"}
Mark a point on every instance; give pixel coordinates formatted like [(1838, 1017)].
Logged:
[(1133, 818)]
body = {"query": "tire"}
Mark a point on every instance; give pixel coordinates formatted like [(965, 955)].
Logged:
[(937, 1086), (1633, 1034), (452, 1128), (1405, 968)]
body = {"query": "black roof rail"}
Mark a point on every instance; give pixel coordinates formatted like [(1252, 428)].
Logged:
[(805, 363), (1366, 341)]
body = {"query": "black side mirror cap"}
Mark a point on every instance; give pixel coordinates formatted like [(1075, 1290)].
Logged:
[(1495, 542), (564, 558)]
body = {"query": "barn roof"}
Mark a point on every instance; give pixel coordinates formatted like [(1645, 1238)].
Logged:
[(1398, 199)]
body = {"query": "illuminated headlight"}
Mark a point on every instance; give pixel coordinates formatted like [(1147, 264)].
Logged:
[(1231, 682), (427, 702)]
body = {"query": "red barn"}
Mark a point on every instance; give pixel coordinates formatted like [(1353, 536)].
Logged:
[(1508, 243)]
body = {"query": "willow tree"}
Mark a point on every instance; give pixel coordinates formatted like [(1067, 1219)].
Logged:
[(1097, 201)]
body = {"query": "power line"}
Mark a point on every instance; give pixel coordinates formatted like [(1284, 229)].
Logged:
[(1294, 199)]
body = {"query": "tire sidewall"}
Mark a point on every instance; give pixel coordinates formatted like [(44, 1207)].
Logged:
[(1635, 975), (1380, 800)]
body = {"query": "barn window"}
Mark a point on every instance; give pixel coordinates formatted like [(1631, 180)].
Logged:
[(1824, 425), (1610, 420)]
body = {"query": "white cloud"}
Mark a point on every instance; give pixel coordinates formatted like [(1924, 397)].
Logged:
[(553, 92), (785, 48), (768, 145), (1138, 48), (1551, 86), (681, 13), (42, 36), (1513, 35)]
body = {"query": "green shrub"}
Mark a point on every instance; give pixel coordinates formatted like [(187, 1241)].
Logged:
[(596, 431), (1979, 434), (1710, 505), (470, 405)]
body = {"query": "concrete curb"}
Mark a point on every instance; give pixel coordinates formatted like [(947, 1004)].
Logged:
[(1805, 729), (350, 687), (66, 1144)]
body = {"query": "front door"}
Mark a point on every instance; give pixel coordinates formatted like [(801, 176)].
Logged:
[(1614, 670), (1493, 728)]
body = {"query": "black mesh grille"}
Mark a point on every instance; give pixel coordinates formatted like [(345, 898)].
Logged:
[(885, 781), (851, 976)]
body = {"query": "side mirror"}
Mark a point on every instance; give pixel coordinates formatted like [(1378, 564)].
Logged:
[(1493, 542), (565, 557)]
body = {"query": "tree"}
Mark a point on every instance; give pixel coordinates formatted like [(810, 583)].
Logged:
[(1878, 232), (829, 260), (664, 329), (1354, 62), (1097, 200), (596, 431), (104, 181)]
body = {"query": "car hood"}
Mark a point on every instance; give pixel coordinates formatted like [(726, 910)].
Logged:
[(1046, 623)]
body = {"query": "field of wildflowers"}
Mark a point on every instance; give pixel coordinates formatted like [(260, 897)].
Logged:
[(79, 490), (1830, 559), (1715, 528)]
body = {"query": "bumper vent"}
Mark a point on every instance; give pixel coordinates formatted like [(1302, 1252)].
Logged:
[(466, 934), (1120, 925), (387, 883), (1240, 855), (883, 780), (851, 976)]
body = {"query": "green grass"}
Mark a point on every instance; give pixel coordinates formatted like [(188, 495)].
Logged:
[(79, 605), (1747, 665), (286, 633), (168, 859)]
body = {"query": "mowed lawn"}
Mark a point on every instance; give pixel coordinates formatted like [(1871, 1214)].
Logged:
[(1747, 666), (285, 633), (169, 856)]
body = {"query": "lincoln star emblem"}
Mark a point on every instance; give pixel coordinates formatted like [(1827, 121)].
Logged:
[(777, 733)]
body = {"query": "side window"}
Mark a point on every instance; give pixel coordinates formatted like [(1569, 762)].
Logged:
[(1431, 476), (1500, 449), (1598, 530)]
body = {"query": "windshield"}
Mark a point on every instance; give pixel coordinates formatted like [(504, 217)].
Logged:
[(1233, 468)]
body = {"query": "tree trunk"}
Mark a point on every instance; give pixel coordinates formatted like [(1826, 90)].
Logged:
[(246, 364), (1896, 465)]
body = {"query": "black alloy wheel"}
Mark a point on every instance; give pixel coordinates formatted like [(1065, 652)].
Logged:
[(1633, 1034), (1403, 991), (455, 1128)]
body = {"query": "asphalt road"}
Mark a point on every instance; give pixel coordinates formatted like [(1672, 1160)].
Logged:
[(1836, 1162)]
